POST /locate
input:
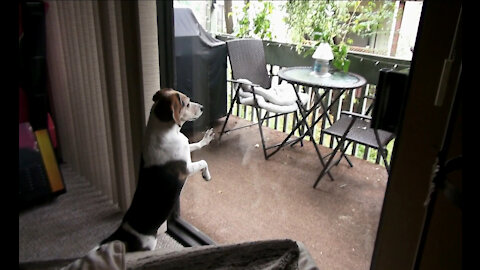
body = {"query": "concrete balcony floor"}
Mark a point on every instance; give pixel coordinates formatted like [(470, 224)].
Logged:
[(250, 198)]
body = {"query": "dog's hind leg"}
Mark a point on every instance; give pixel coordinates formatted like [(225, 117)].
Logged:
[(201, 165)]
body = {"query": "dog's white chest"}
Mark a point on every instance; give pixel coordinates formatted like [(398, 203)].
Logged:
[(162, 146)]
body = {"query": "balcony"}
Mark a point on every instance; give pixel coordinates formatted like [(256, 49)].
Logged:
[(250, 198)]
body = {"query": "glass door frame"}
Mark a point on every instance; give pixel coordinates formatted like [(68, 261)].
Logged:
[(178, 228)]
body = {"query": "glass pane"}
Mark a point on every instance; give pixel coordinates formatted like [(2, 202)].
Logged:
[(252, 198)]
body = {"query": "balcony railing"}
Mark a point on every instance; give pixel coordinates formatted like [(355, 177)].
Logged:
[(279, 55)]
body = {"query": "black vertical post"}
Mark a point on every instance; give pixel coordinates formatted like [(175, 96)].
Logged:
[(166, 58), (179, 229), (166, 43), (166, 54), (33, 62)]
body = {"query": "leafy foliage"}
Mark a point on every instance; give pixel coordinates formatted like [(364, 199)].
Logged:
[(261, 22), (314, 22), (244, 22)]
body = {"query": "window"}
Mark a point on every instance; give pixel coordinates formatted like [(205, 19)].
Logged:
[(250, 198)]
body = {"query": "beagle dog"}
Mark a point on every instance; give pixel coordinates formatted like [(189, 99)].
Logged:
[(165, 165)]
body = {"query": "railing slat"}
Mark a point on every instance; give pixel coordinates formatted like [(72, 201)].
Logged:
[(311, 101), (366, 153), (327, 114)]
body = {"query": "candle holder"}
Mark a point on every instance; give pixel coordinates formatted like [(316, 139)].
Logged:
[(322, 56)]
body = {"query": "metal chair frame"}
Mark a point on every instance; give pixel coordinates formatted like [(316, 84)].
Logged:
[(247, 59), (354, 137)]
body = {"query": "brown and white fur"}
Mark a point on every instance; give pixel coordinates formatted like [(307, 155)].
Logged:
[(166, 163)]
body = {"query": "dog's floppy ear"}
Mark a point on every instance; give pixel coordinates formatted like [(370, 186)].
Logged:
[(168, 105), (157, 96), (176, 105)]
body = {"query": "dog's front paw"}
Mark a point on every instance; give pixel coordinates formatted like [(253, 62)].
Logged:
[(208, 137), (206, 175)]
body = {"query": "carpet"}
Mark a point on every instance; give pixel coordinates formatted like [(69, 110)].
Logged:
[(72, 224)]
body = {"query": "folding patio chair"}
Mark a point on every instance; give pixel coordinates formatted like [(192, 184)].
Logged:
[(374, 131), (253, 86)]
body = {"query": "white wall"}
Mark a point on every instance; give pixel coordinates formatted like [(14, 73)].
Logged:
[(149, 51), (408, 29)]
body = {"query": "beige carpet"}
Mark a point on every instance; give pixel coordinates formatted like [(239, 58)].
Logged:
[(250, 198), (72, 224)]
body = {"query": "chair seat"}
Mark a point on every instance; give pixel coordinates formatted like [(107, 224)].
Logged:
[(278, 99), (360, 132)]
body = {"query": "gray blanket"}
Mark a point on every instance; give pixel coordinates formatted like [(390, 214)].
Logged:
[(270, 254)]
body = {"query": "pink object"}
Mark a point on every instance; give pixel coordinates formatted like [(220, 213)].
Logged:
[(26, 138), (51, 131)]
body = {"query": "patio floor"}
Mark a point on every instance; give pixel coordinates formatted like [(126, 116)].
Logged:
[(250, 198)]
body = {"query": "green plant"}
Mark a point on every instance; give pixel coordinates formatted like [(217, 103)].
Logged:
[(244, 22), (314, 22), (261, 21)]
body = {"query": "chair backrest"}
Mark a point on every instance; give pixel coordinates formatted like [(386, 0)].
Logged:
[(247, 59), (390, 99)]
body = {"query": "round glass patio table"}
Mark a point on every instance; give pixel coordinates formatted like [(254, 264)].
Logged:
[(337, 79)]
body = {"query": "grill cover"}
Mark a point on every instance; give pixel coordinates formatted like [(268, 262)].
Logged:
[(201, 68)]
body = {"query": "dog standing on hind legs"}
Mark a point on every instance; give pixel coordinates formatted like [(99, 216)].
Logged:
[(166, 163)]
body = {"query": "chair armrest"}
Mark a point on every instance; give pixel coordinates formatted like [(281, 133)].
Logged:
[(236, 81), (357, 115), (368, 97)]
